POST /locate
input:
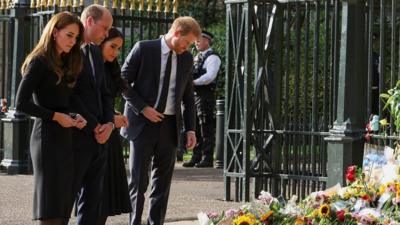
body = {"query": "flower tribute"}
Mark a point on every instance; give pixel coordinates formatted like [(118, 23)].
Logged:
[(362, 201)]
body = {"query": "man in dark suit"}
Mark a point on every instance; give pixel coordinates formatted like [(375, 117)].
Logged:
[(88, 149), (159, 74)]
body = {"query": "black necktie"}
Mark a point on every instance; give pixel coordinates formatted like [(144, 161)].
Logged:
[(165, 86), (90, 63)]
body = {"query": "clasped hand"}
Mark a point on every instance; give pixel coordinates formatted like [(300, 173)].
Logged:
[(67, 121), (102, 132)]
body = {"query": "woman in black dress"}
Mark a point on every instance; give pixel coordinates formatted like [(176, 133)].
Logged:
[(116, 196), (49, 74)]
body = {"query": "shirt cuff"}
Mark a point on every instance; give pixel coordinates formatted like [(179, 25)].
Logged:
[(190, 131)]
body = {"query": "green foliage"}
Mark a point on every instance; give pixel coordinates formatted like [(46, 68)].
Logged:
[(392, 103)]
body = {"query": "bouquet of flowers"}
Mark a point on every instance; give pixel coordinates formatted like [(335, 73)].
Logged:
[(362, 201)]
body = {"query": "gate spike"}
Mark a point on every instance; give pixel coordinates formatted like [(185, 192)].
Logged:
[(69, 3), (62, 3), (56, 3), (37, 4), (50, 3), (76, 4), (159, 5), (133, 5), (32, 4), (149, 5), (176, 5), (105, 4), (114, 4), (167, 6), (123, 4), (81, 3), (96, 2), (141, 5), (43, 3)]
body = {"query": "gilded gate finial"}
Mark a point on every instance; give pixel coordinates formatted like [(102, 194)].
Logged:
[(176, 5), (114, 4), (96, 2), (56, 3), (167, 6), (69, 3), (81, 3), (133, 5), (43, 3), (123, 4), (62, 3), (149, 5), (105, 4), (141, 5), (32, 4), (76, 4), (159, 5), (50, 3)]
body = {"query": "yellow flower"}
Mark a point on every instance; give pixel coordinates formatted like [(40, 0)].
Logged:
[(384, 122), (265, 216), (247, 219), (299, 221), (382, 189), (324, 210)]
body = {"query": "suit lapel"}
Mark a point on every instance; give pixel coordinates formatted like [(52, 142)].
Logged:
[(178, 79), (87, 68), (157, 65)]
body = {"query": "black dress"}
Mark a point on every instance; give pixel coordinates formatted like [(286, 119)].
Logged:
[(50, 144), (116, 196)]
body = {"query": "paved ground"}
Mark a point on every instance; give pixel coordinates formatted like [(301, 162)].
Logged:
[(193, 190)]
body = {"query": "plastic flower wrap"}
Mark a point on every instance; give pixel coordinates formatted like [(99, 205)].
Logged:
[(361, 202)]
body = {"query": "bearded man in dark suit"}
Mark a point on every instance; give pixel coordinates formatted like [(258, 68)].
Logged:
[(160, 82)]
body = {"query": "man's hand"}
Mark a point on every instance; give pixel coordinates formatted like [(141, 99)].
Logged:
[(190, 139), (153, 115), (120, 121), (103, 132)]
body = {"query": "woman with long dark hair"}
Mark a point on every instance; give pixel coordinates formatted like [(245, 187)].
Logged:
[(49, 74), (116, 196)]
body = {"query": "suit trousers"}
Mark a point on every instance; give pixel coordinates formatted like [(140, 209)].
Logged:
[(156, 147)]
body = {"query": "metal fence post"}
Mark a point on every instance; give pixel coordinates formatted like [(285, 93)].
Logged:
[(219, 143), (345, 143), (16, 126)]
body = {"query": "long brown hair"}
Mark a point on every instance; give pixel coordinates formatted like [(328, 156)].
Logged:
[(114, 66), (69, 65)]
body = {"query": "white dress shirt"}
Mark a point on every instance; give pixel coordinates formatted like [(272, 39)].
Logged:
[(211, 65), (170, 105)]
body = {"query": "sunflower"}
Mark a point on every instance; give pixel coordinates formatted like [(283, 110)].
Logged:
[(324, 210), (265, 216), (246, 219)]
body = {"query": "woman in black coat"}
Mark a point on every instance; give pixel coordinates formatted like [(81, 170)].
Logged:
[(116, 198), (49, 75)]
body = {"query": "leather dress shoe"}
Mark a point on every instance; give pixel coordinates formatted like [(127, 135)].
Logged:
[(189, 164), (204, 164)]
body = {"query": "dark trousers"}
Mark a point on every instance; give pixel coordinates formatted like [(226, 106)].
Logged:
[(205, 126), (89, 174), (155, 147)]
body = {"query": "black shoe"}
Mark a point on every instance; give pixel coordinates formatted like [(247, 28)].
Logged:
[(188, 164), (179, 158), (204, 164)]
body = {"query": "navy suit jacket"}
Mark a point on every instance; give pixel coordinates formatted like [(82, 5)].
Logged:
[(95, 99), (142, 71)]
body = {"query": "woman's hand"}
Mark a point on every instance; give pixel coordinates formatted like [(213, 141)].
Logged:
[(64, 119), (120, 121), (80, 121)]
